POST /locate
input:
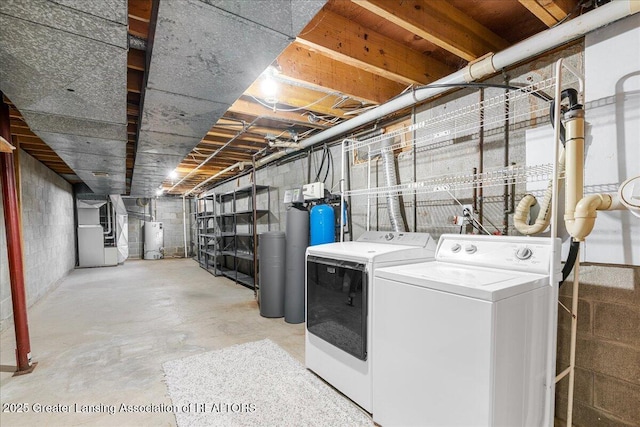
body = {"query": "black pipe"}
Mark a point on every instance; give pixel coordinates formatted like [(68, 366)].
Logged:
[(572, 95), (571, 260)]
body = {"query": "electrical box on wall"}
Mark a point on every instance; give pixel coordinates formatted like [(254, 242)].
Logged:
[(293, 196), (313, 191)]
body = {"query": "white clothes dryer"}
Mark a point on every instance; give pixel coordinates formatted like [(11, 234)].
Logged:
[(339, 292)]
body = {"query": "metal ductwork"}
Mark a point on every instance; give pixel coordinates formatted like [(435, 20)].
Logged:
[(204, 55), (390, 180), (64, 66)]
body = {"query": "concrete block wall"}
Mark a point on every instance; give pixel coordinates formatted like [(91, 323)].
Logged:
[(169, 211), (607, 382), (48, 235)]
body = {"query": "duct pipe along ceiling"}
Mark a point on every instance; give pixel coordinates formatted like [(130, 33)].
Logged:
[(203, 57), (524, 50)]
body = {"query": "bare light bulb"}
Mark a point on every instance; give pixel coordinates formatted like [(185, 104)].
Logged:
[(269, 86)]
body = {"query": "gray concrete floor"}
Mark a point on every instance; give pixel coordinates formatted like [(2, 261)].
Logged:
[(101, 337)]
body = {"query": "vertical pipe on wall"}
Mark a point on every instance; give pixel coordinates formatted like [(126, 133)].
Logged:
[(480, 200), (415, 172), (184, 224), (505, 207), (572, 348), (14, 249)]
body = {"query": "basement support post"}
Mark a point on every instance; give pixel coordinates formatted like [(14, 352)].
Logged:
[(14, 249)]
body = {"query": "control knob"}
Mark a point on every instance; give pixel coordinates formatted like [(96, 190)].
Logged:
[(523, 253), (470, 249), (388, 236), (456, 248)]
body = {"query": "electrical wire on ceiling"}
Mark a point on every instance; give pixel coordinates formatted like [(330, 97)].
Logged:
[(315, 118), (291, 110), (581, 5)]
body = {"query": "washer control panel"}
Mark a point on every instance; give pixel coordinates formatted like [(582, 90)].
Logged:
[(530, 254), (396, 238)]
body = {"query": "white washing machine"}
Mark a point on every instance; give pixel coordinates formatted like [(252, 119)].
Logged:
[(339, 292), (469, 338)]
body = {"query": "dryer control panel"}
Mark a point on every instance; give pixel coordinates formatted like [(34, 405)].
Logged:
[(528, 254), (396, 238)]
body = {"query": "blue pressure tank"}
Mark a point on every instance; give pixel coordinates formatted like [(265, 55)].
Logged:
[(322, 225)]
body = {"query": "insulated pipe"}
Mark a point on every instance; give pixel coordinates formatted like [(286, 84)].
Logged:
[(484, 67), (14, 249)]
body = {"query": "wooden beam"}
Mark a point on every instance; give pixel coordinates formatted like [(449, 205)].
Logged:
[(31, 139), (550, 12), (16, 131), (224, 134), (138, 28), (343, 40), (299, 63), (140, 9), (258, 131), (5, 146), (242, 106), (136, 59), (210, 141), (134, 80), (133, 109), (296, 96), (440, 23), (211, 147)]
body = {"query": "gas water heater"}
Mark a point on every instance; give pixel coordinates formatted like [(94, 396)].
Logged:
[(153, 240)]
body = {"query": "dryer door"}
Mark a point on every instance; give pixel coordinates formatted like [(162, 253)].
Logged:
[(337, 303)]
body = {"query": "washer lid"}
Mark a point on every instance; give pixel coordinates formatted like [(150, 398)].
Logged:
[(476, 282)]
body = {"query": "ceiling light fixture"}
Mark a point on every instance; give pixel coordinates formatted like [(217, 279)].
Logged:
[(268, 86), (100, 174)]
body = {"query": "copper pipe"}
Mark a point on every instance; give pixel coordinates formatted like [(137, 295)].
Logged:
[(14, 248)]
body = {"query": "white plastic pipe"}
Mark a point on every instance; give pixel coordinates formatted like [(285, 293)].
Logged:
[(574, 166), (184, 223), (529, 200), (526, 49), (584, 217), (535, 45)]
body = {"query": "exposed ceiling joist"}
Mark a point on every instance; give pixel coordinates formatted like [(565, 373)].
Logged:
[(242, 106), (136, 59), (550, 12), (439, 23), (300, 63), (338, 38), (300, 97)]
